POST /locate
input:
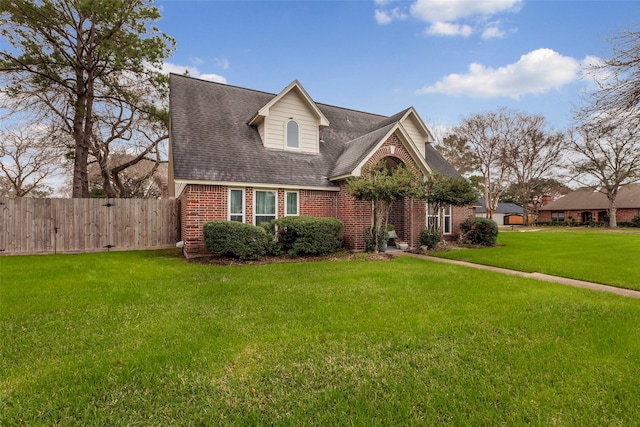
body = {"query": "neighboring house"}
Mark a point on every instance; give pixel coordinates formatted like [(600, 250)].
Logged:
[(243, 155), (586, 205), (505, 214)]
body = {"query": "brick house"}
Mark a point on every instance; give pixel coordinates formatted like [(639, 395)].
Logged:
[(586, 205), (244, 155)]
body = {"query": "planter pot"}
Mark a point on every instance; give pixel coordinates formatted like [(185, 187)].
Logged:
[(402, 246)]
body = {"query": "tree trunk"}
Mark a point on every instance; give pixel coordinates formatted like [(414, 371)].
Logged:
[(613, 221)]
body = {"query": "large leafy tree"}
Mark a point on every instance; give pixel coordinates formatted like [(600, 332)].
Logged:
[(61, 58), (381, 186)]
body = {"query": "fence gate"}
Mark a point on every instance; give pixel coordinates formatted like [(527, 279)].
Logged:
[(30, 225)]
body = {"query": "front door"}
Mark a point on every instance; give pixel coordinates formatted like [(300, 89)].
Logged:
[(586, 217)]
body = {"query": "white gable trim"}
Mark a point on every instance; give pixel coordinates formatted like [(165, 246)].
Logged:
[(295, 85), (412, 112), (407, 142)]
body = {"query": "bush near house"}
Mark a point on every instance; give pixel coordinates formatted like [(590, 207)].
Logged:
[(479, 231), (430, 238), (235, 239), (304, 235)]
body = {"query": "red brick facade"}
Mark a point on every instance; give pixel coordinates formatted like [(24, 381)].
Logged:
[(202, 203), (622, 214)]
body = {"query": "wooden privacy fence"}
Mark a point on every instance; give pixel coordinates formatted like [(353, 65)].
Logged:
[(29, 226)]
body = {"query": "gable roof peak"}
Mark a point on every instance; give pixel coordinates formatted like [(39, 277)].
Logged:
[(293, 86)]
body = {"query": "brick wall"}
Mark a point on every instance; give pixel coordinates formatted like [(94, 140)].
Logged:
[(199, 204), (319, 203), (622, 214)]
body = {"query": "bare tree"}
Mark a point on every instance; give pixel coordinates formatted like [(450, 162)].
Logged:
[(458, 152), (531, 153), (128, 143), (617, 79), (607, 156), (28, 157), (486, 135), (606, 140)]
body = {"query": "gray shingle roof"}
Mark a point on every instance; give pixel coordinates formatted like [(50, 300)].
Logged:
[(211, 139), (587, 198), (503, 208)]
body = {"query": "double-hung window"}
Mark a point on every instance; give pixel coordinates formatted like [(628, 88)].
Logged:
[(433, 218), (236, 204), (557, 216), (265, 206), (291, 205)]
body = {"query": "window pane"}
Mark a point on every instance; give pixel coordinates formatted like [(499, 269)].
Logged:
[(292, 203), (292, 134), (237, 218), (265, 203), (264, 218), (235, 201)]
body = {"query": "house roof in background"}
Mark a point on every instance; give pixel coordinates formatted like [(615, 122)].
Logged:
[(588, 198), (503, 208), (212, 140)]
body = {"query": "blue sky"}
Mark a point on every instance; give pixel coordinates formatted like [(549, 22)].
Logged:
[(447, 58)]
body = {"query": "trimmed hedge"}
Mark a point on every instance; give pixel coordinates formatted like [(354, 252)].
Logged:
[(305, 235), (479, 231), (235, 239)]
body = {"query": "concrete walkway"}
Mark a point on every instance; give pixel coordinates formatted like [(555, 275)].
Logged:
[(538, 276)]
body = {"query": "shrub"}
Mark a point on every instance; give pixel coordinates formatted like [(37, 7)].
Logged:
[(305, 235), (235, 239), (479, 231), (430, 238), (636, 220)]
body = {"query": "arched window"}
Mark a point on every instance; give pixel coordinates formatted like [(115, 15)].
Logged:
[(293, 134)]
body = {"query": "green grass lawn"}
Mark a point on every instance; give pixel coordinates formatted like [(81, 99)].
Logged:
[(611, 258), (145, 338)]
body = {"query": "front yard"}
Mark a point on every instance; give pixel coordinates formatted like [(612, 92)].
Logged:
[(596, 255), (146, 338)]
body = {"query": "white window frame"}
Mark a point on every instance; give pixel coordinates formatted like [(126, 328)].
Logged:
[(286, 134), (446, 217), (255, 203), (286, 201), (244, 204)]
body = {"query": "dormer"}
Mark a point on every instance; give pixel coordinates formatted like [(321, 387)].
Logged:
[(291, 121), (417, 130)]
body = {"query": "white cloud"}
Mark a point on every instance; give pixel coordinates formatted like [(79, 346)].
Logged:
[(536, 72), (449, 29), (454, 10), (384, 17), (492, 33), (449, 17), (223, 63), (168, 67)]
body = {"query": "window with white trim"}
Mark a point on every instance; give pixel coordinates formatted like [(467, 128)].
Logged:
[(293, 134), (291, 205), (433, 218), (236, 204), (264, 206)]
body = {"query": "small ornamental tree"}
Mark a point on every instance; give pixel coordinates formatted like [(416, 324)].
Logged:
[(382, 187), (443, 190)]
